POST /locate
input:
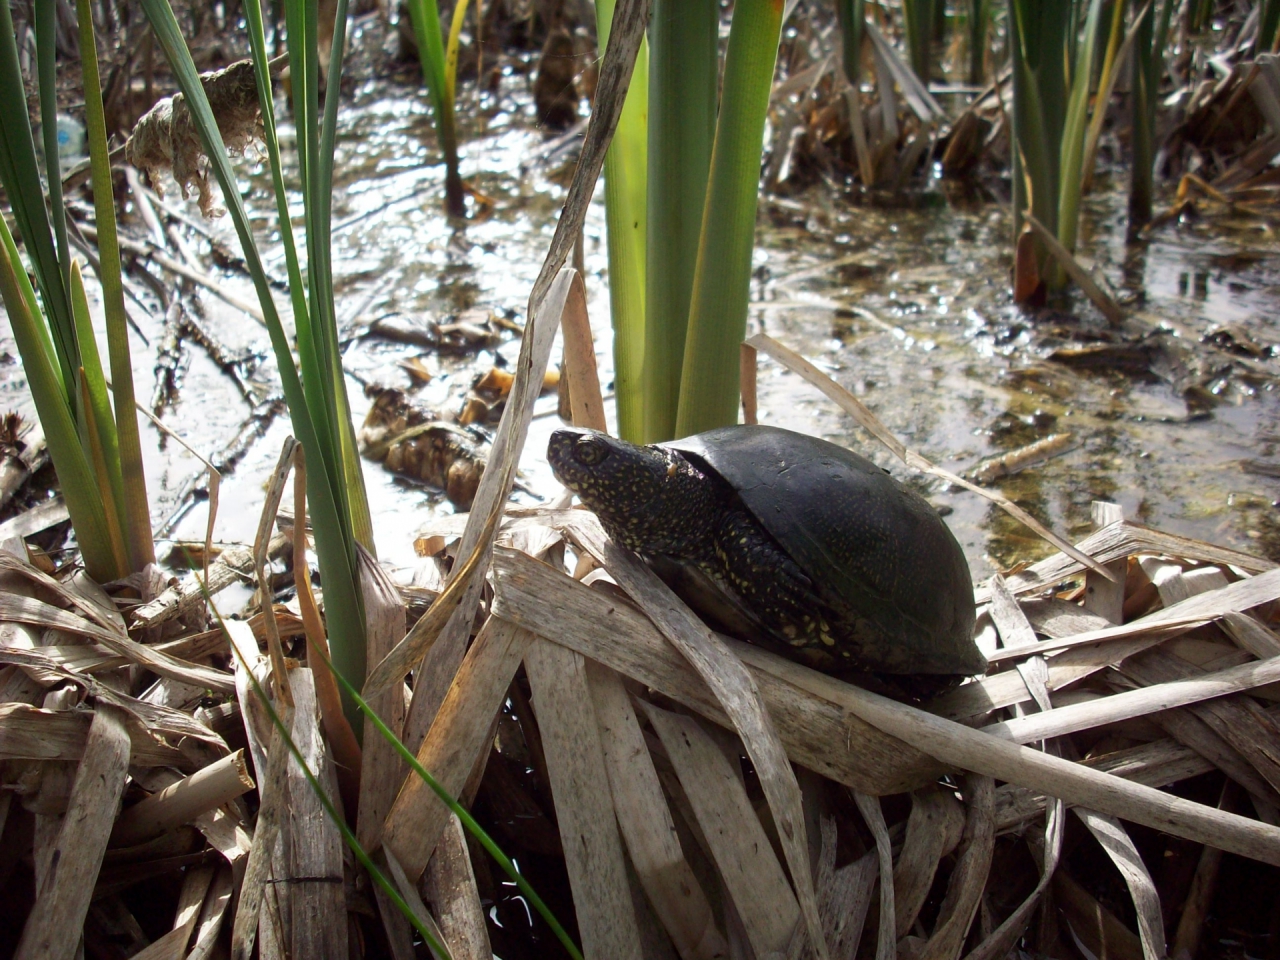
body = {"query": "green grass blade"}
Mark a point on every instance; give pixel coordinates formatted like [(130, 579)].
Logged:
[(1038, 40), (431, 53), (21, 177), (718, 312), (683, 79), (47, 68), (79, 487), (1106, 83), (1148, 60), (131, 487), (626, 177), (97, 427), (1268, 26), (1074, 132), (451, 51), (852, 17), (918, 17), (979, 28), (357, 501), (344, 603)]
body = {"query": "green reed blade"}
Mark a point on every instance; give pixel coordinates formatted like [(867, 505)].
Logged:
[(334, 539), (79, 486), (1074, 132), (431, 53), (626, 176), (20, 175), (47, 67), (722, 277), (683, 77), (130, 488)]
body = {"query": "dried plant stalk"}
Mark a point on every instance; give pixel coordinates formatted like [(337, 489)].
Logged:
[(167, 809)]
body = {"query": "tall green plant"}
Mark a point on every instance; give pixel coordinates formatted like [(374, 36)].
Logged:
[(852, 17), (314, 387), (683, 77), (918, 18), (1148, 59), (626, 178), (93, 441), (709, 388), (440, 76), (979, 27), (1052, 70), (1268, 26)]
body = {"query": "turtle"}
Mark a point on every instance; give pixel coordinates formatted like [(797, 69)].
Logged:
[(792, 543)]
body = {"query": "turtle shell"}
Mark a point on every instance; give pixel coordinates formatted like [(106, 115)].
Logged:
[(875, 550)]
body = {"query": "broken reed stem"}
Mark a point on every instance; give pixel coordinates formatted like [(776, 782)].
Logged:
[(181, 803)]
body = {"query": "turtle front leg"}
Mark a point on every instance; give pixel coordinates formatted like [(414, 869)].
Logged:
[(770, 583)]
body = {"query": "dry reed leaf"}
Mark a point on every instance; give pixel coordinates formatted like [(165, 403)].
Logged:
[(56, 921), (233, 565), (585, 400), (1003, 938), (450, 885), (441, 653), (154, 717), (817, 732), (978, 752), (750, 870), (969, 879), (934, 828), (37, 613), (1250, 635), (459, 736), (584, 805), (272, 811), (1093, 924), (647, 825), (1136, 703), (1155, 764), (737, 693), (550, 292), (34, 733), (851, 405), (212, 914), (1237, 720), (1119, 847), (1117, 541), (382, 770), (850, 900), (388, 863), (207, 789), (886, 936), (219, 828), (1193, 611), (173, 945), (318, 908)]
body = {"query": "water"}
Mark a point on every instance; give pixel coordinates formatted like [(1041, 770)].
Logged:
[(907, 307)]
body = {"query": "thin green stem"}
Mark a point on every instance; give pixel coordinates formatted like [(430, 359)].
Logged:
[(130, 490)]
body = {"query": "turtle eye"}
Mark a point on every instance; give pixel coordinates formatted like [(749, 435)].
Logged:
[(589, 451)]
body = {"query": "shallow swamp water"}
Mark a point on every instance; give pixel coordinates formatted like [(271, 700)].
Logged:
[(907, 304)]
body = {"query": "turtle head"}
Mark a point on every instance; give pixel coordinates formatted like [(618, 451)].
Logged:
[(649, 498)]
